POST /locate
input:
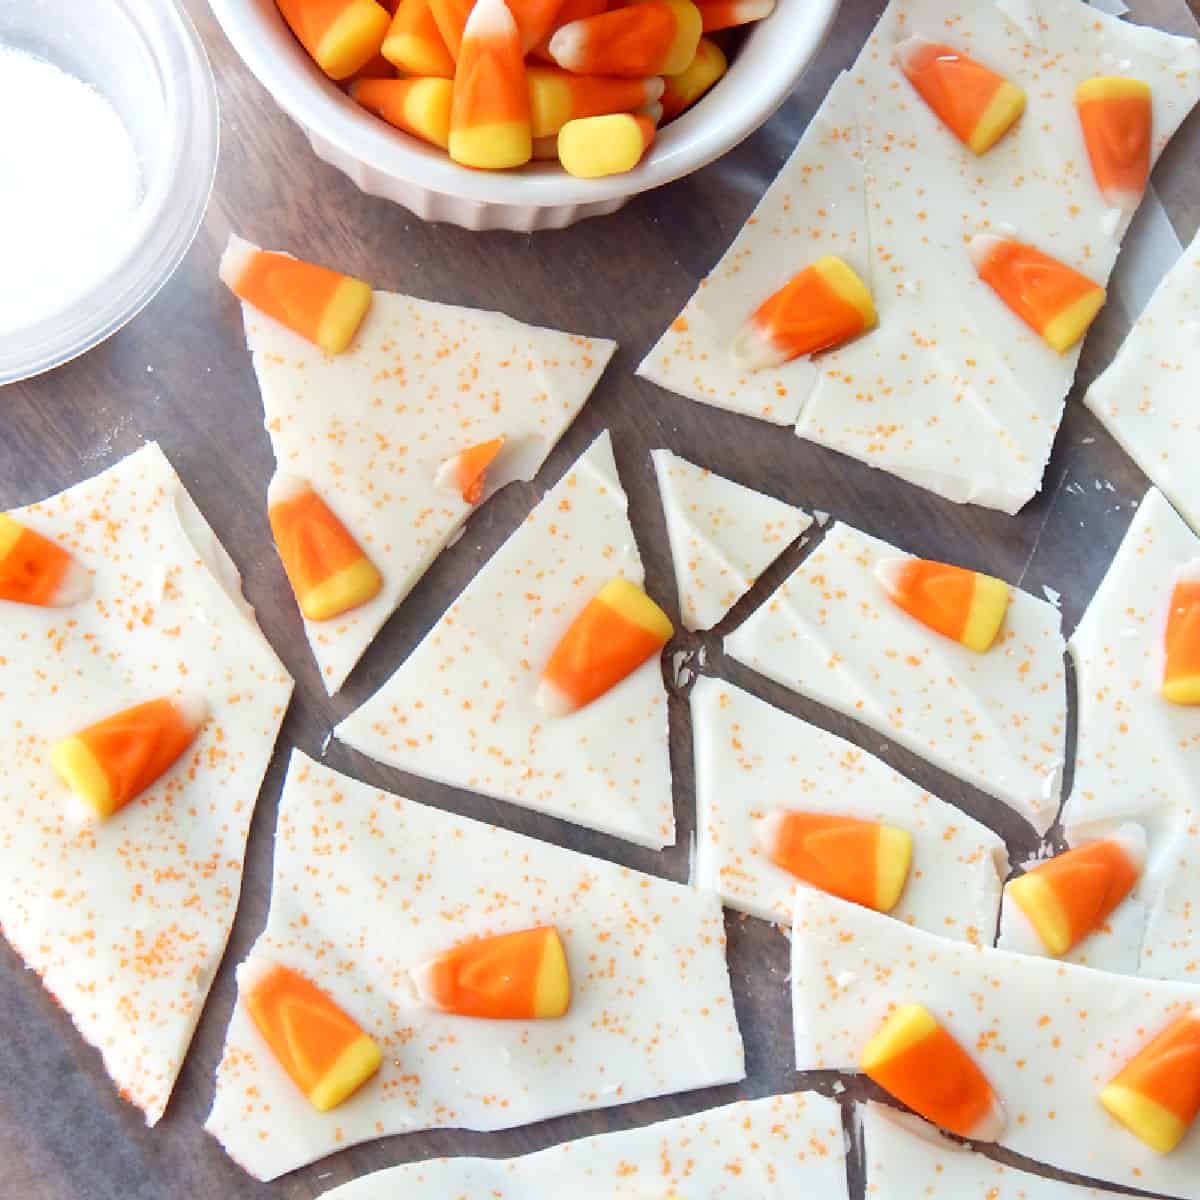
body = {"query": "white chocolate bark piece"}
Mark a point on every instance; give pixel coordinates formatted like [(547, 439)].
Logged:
[(951, 391), (125, 920), (997, 720), (1138, 756), (908, 1159), (463, 709), (752, 759), (1115, 946), (779, 1148), (723, 536), (372, 428), (816, 206), (1147, 396), (1048, 1035), (367, 885)]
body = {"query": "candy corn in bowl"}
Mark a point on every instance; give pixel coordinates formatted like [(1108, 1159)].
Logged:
[(524, 114)]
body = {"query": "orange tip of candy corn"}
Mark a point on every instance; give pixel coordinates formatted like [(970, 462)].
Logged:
[(1068, 897), (1053, 299), (963, 605), (34, 570), (324, 1051), (822, 307), (1156, 1096), (112, 762), (1181, 664), (914, 1059), (864, 862), (618, 630), (1116, 117), (975, 103), (520, 976)]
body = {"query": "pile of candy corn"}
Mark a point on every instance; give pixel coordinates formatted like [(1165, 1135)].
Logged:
[(499, 83)]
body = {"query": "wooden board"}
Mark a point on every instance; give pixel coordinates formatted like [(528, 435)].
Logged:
[(180, 374)]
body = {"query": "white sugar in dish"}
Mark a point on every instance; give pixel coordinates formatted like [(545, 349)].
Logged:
[(69, 186)]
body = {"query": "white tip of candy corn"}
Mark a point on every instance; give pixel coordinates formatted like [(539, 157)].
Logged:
[(653, 110), (908, 49), (755, 350), (991, 1125), (192, 709), (284, 487), (490, 18), (981, 247), (568, 43), (888, 572), (552, 701), (238, 253), (421, 977), (656, 85), (74, 586), (251, 974), (1132, 840), (767, 831)]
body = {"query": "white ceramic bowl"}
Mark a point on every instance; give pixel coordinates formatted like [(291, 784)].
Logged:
[(384, 162), (145, 57)]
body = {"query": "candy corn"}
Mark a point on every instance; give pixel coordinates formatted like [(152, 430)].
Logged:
[(1157, 1095), (822, 307), (328, 570), (1053, 299), (974, 103), (556, 97), (112, 762), (965, 606), (618, 630), (321, 305), (34, 570), (489, 122), (467, 472), (726, 14), (418, 106), (1116, 117), (511, 977), (861, 861), (340, 35), (323, 1050), (1181, 670), (1070, 896), (569, 10), (681, 91), (914, 1059), (535, 19), (593, 147), (450, 16), (415, 45), (655, 37)]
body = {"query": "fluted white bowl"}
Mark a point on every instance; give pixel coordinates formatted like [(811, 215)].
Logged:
[(385, 162)]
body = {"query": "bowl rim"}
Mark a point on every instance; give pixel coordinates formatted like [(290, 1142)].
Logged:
[(264, 43), (168, 218)]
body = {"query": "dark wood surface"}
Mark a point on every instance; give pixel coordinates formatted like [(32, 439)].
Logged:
[(180, 374)]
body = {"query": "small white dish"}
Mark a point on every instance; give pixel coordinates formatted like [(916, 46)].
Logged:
[(385, 162)]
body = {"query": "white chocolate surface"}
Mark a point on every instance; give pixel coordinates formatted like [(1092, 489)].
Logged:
[(370, 428), (1147, 397), (951, 391), (723, 536), (1047, 1035), (778, 1148), (126, 920), (908, 1159), (997, 720), (1138, 756), (367, 885), (462, 709), (752, 758)]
